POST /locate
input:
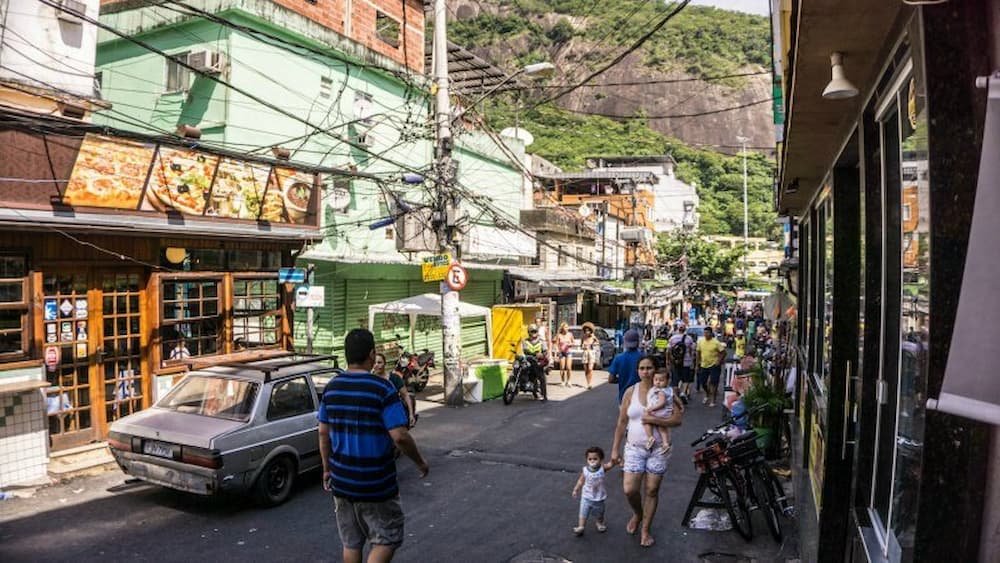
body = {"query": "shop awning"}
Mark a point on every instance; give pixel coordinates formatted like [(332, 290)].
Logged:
[(429, 305), (971, 387)]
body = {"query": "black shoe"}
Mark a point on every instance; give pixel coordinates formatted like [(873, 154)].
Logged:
[(684, 399)]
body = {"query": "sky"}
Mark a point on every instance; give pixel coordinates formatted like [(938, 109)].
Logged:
[(759, 7)]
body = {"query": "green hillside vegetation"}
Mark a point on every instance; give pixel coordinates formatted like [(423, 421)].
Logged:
[(701, 41), (566, 139)]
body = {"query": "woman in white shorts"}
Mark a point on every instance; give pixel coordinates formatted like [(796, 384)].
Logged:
[(591, 348), (639, 463)]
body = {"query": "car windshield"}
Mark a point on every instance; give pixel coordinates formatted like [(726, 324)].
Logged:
[(218, 397)]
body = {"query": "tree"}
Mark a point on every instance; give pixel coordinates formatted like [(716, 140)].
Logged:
[(708, 263)]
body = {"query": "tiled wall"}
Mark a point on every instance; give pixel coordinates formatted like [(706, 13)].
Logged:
[(24, 448)]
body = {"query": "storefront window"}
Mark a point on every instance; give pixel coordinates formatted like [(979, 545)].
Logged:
[(191, 318), (14, 333), (256, 313), (914, 310)]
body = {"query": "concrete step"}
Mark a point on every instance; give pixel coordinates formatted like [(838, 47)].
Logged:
[(83, 460)]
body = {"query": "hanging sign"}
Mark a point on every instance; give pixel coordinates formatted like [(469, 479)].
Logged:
[(435, 268), (457, 277), (52, 357), (310, 296), (291, 275)]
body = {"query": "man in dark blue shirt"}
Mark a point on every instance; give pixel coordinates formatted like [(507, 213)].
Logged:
[(360, 420), (625, 366)]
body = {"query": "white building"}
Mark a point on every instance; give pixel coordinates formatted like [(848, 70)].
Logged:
[(676, 203), (47, 57)]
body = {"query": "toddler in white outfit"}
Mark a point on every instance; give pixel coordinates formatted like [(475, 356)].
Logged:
[(660, 402)]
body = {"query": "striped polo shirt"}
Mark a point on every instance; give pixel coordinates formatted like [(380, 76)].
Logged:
[(360, 408)]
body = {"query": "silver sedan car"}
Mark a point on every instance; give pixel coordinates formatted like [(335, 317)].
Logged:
[(235, 427)]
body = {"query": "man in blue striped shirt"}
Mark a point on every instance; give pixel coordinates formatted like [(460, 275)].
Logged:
[(360, 419)]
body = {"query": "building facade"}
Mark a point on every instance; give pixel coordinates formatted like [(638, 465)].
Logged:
[(675, 204), (889, 188)]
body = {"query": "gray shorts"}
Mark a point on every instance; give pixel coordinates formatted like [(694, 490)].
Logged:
[(380, 523)]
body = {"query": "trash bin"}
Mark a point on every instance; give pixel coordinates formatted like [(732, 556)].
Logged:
[(493, 374)]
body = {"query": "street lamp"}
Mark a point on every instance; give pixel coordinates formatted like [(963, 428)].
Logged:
[(746, 210), (538, 70)]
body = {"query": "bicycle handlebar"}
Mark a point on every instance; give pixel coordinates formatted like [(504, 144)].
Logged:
[(729, 420)]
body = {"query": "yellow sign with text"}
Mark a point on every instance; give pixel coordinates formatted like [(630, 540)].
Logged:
[(435, 268)]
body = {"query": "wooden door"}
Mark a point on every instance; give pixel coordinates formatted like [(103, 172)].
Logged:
[(66, 327), (119, 364)]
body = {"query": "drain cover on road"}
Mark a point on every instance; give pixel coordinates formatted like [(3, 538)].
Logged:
[(538, 556)]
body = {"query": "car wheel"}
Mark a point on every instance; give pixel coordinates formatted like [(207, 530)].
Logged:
[(274, 484)]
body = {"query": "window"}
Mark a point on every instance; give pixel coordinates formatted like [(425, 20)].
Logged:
[(579, 257), (290, 398), (191, 323), (561, 256), (178, 78), (906, 212), (387, 29), (325, 86), (256, 313), (218, 397), (14, 333)]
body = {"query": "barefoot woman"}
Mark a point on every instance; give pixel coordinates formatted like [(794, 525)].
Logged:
[(641, 464)]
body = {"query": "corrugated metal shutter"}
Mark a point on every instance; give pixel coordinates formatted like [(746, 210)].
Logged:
[(325, 335)]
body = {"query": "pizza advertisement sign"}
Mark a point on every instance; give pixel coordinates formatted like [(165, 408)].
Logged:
[(119, 173)]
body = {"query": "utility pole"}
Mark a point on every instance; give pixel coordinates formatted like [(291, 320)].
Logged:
[(446, 209), (746, 210), (637, 286), (310, 315)]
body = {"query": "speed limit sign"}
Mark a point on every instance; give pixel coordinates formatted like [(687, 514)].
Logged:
[(457, 277)]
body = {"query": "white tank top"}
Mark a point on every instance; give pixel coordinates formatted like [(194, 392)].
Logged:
[(593, 484), (635, 434)]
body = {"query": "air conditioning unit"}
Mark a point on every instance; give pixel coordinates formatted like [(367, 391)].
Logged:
[(636, 234), (66, 10), (205, 60)]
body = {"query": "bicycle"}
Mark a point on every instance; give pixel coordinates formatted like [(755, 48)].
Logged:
[(718, 476), (767, 495)]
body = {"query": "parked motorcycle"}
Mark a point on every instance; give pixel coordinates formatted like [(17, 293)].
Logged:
[(528, 376)]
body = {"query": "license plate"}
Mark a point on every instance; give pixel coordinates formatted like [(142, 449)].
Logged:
[(159, 449)]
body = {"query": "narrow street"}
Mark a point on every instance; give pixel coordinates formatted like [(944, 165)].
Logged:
[(499, 490)]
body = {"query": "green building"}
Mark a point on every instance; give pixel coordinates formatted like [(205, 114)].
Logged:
[(366, 88)]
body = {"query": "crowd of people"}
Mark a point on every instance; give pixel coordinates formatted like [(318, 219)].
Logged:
[(364, 421)]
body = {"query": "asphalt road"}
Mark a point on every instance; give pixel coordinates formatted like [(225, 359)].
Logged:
[(499, 490)]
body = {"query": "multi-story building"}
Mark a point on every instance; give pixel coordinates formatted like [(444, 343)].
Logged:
[(762, 255), (339, 84), (888, 171), (675, 204)]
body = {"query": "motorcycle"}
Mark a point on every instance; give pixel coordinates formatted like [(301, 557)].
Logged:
[(528, 376), (414, 369)]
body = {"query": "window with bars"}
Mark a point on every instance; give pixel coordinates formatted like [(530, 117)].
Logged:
[(192, 321), (15, 338), (257, 311), (178, 77)]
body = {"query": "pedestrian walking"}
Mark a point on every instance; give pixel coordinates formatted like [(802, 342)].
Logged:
[(681, 354), (711, 353), (624, 365), (361, 418), (644, 469), (379, 369), (591, 347), (591, 490), (563, 344)]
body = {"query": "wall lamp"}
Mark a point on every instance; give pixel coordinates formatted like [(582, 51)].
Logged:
[(839, 88)]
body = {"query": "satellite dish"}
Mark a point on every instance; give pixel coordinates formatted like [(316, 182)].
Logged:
[(585, 211), (518, 133)]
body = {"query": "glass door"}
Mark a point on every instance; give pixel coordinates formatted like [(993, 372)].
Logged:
[(67, 351), (120, 352)]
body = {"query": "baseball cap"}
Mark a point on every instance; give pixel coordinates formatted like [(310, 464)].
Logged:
[(631, 339)]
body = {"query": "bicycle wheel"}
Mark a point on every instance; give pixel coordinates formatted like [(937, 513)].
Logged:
[(766, 503), (778, 492), (736, 504)]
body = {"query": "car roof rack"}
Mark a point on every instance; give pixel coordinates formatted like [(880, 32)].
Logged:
[(292, 361)]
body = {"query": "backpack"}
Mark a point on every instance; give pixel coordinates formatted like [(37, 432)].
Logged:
[(678, 351)]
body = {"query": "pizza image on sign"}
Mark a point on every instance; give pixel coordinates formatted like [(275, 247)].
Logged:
[(238, 191), (108, 173), (181, 180)]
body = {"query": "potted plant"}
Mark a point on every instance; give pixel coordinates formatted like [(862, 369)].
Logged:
[(767, 400)]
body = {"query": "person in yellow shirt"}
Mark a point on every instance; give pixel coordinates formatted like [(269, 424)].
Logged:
[(710, 355), (741, 344), (730, 327)]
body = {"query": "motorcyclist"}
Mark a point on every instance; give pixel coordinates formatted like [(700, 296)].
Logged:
[(535, 347)]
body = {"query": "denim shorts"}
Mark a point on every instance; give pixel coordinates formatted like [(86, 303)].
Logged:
[(590, 508), (380, 523), (640, 460)]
